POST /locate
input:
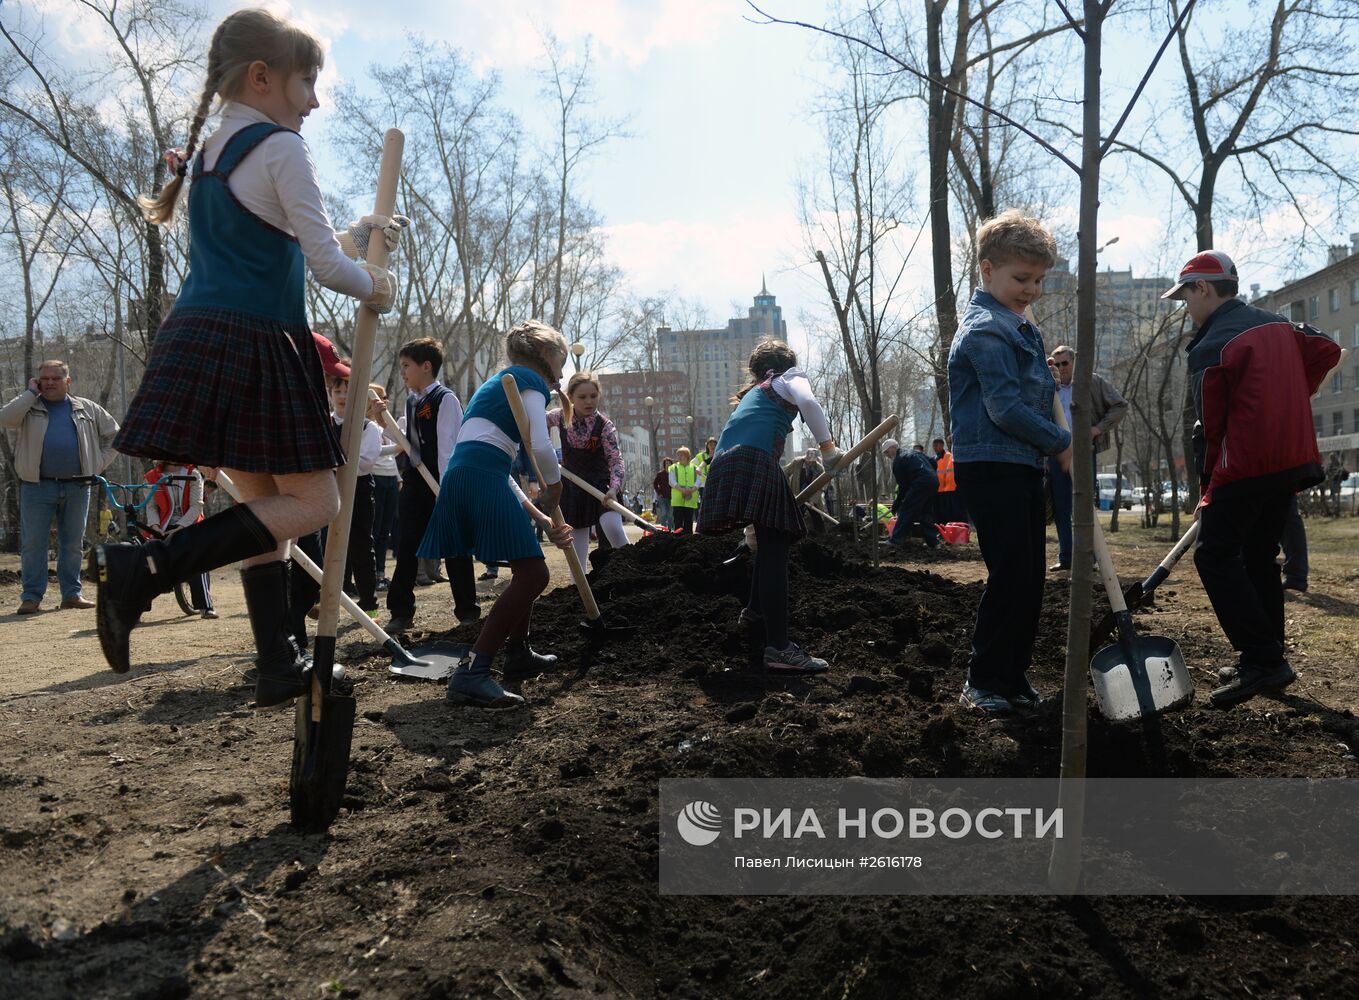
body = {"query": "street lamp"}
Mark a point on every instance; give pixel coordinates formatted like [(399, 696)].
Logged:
[(650, 404), (578, 349), (690, 421)]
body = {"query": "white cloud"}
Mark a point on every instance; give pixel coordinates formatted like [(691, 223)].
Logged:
[(508, 34)]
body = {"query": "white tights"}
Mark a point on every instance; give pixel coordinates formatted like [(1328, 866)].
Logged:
[(288, 506), (611, 523)]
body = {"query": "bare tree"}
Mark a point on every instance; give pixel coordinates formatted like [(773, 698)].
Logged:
[(155, 48)]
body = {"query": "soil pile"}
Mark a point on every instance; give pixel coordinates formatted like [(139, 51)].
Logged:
[(516, 854)]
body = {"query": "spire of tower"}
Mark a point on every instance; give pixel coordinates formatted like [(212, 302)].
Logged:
[(764, 288)]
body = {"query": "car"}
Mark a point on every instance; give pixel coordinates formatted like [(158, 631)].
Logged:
[(1106, 482), (1349, 489)]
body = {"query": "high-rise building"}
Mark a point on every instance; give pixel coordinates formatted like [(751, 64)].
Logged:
[(1329, 300), (1127, 312), (714, 361), (623, 397)]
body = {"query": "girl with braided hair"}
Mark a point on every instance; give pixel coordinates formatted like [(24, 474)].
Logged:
[(591, 451), (746, 486), (234, 379), (481, 511)]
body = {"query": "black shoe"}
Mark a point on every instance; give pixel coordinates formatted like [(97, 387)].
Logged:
[(281, 666), (130, 576), (521, 661), (398, 625), (466, 616), (1251, 680), (1299, 585), (476, 688)]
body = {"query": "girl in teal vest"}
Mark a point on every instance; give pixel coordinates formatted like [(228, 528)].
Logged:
[(481, 511), (746, 486), (234, 379)]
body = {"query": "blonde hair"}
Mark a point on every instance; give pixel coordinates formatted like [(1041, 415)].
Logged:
[(376, 387), (1012, 235), (582, 378), (531, 343), (245, 37), (683, 450)]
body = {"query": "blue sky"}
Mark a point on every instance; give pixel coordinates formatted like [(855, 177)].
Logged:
[(702, 197)]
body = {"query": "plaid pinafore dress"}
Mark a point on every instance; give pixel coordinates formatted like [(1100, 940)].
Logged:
[(234, 379)]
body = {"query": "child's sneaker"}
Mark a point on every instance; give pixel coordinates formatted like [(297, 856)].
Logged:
[(793, 660), (992, 702)]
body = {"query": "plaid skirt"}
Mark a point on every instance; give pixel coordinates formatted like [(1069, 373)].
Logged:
[(579, 508), (228, 390), (746, 486)]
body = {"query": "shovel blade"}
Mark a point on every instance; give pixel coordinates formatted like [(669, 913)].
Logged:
[(1146, 679), (320, 762), (430, 663)]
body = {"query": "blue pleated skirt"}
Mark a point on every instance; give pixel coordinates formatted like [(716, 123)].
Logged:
[(477, 514)]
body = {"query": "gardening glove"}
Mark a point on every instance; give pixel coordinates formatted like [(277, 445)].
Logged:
[(830, 460), (354, 240), (384, 288)]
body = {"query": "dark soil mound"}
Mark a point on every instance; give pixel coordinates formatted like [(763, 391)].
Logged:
[(516, 854)]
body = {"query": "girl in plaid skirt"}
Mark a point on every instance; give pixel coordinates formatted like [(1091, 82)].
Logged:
[(234, 378), (589, 450), (746, 486)]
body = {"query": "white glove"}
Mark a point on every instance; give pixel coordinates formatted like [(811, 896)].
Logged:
[(830, 460), (384, 288), (354, 240)]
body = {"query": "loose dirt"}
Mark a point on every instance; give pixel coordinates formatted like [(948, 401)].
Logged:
[(144, 849)]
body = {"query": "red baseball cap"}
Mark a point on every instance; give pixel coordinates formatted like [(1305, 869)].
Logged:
[(1211, 265), (330, 360)]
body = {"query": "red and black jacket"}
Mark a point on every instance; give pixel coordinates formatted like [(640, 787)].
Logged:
[(1253, 375)]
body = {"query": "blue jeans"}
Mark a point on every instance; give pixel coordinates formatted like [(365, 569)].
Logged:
[(1061, 510), (38, 504)]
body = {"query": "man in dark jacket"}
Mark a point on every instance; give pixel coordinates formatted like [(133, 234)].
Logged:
[(917, 484), (1252, 374)]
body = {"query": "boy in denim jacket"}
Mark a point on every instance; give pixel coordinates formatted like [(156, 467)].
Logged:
[(1001, 394)]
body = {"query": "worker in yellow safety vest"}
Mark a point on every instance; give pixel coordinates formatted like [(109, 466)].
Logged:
[(685, 481), (948, 503)]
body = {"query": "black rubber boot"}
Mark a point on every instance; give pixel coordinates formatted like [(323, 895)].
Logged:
[(471, 684), (521, 661), (131, 576), (282, 673)]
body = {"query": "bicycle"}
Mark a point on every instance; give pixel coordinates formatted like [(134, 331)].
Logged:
[(137, 531)]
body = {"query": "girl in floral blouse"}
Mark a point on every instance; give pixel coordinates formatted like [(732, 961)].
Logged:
[(589, 450)]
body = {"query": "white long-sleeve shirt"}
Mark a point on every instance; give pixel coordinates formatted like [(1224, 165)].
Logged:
[(535, 405), (794, 386), (370, 445), (277, 181)]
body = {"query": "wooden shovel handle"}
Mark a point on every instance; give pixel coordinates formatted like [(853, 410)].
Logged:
[(1103, 559), (603, 498), (521, 419), (847, 459), (394, 429), (361, 371)]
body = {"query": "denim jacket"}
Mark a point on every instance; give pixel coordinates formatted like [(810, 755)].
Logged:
[(1000, 388)]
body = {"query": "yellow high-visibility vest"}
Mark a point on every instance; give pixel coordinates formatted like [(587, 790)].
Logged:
[(685, 475)]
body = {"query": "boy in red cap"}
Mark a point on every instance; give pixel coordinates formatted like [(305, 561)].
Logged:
[(1252, 374)]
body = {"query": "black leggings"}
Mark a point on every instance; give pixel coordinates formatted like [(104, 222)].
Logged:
[(769, 583), (510, 614), (684, 519)]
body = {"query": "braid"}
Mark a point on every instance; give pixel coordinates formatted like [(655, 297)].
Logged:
[(160, 210)]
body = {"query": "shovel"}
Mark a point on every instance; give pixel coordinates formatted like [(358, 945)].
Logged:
[(1139, 593), (324, 722), (613, 505), (594, 625), (435, 662), (1137, 677)]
